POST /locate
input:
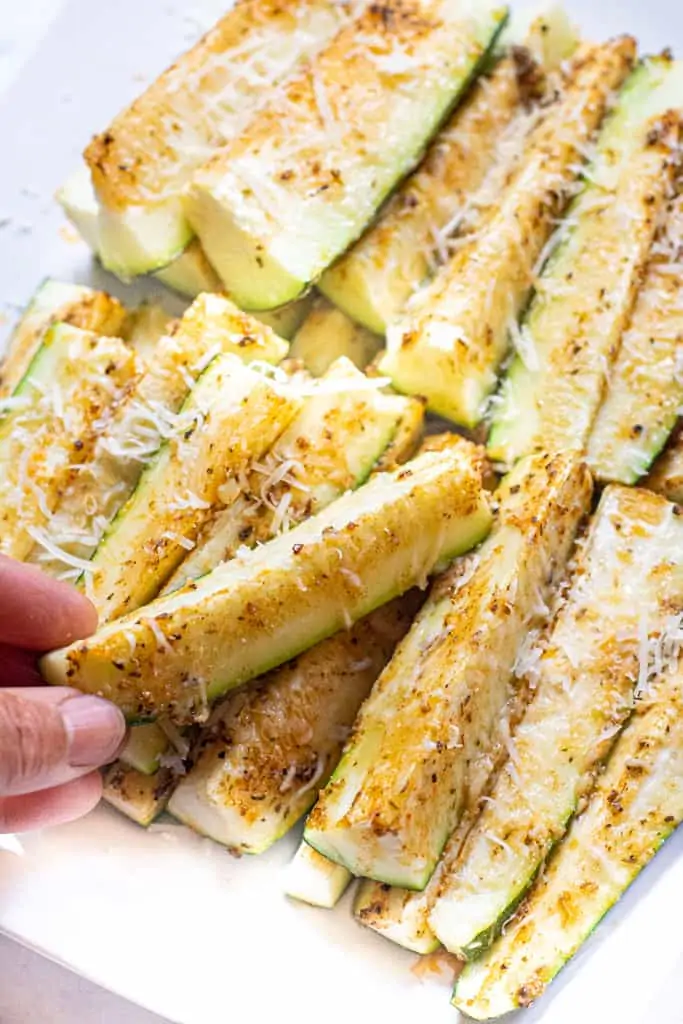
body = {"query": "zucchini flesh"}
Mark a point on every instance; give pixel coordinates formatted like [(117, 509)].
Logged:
[(278, 204), (373, 280), (545, 30), (269, 748), (142, 162), (140, 797), (366, 548), (645, 387), (55, 302), (312, 878), (51, 425), (666, 476), (328, 334), (573, 327), (636, 805), (287, 320), (628, 575), (145, 745), (401, 786), (455, 333), (329, 448), (232, 415), (144, 329)]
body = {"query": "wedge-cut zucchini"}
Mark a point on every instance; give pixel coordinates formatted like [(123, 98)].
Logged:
[(666, 476), (144, 746), (287, 320), (545, 30), (54, 302), (312, 878), (373, 281), (140, 797), (326, 334), (144, 329), (189, 274), (401, 786), (636, 805), (455, 333), (329, 448), (142, 162), (628, 580), (276, 206), (51, 423), (584, 297), (270, 747), (232, 415), (175, 655), (408, 438), (645, 385)]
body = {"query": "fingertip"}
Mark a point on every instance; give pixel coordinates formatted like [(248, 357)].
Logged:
[(50, 807), (38, 612)]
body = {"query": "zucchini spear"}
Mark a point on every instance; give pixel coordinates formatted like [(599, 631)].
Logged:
[(327, 334), (312, 878), (666, 476), (140, 797), (402, 783), (572, 329), (279, 203), (628, 580), (455, 333), (142, 162), (174, 656), (636, 805)]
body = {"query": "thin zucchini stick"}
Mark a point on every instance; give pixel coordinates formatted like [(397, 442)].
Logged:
[(327, 334), (635, 807), (401, 786), (269, 748), (585, 294), (55, 302), (51, 425), (174, 656), (142, 162), (311, 878), (666, 476), (627, 581), (140, 797), (279, 203), (455, 333)]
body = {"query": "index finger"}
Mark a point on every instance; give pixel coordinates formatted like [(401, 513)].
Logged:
[(39, 613)]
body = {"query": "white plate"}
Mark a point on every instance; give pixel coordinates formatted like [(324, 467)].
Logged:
[(167, 919)]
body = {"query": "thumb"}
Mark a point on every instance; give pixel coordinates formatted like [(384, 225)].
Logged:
[(51, 735)]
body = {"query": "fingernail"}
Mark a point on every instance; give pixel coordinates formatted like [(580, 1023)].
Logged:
[(95, 730)]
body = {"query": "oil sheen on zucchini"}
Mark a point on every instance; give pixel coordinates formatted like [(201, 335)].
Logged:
[(402, 783), (141, 163), (628, 581), (636, 805), (572, 329), (269, 748), (453, 336), (276, 206), (174, 656), (326, 334)]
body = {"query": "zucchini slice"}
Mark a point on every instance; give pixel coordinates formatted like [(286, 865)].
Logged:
[(144, 329), (55, 302), (312, 878), (455, 333), (145, 745), (140, 797), (573, 327), (402, 783), (51, 425), (327, 334), (175, 655), (232, 415), (329, 448), (287, 320), (645, 385), (142, 162), (373, 280), (636, 805), (628, 579), (666, 476), (276, 206), (270, 747)]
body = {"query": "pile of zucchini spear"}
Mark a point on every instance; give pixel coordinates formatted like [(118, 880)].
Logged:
[(318, 591)]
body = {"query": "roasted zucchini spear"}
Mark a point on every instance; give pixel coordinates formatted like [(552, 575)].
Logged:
[(636, 805), (142, 162), (666, 476), (453, 337), (279, 203), (312, 878), (327, 334), (140, 797), (628, 581), (402, 783), (573, 327), (174, 656)]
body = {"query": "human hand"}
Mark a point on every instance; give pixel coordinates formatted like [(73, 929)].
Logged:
[(51, 737)]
